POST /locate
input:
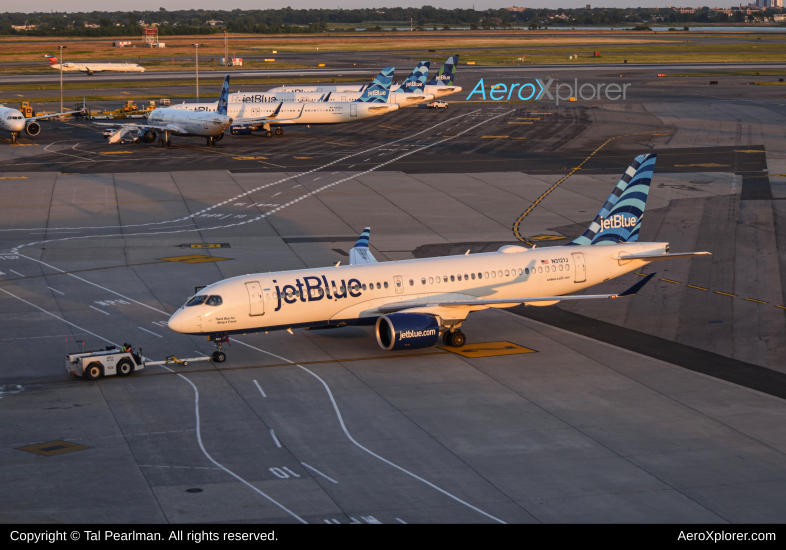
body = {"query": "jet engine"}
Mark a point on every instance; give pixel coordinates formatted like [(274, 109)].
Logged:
[(33, 129), (398, 331), (149, 136)]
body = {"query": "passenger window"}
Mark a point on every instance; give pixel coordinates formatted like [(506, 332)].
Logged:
[(486, 274), (473, 276), (452, 278), (507, 272), (493, 273), (398, 283), (431, 280), (423, 280), (526, 271), (567, 267), (560, 267), (500, 273), (438, 279), (386, 284), (466, 278), (196, 301), (411, 282), (364, 286), (214, 301), (540, 270), (343, 290), (520, 271)]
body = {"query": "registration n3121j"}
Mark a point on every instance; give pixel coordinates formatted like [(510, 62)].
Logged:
[(412, 303)]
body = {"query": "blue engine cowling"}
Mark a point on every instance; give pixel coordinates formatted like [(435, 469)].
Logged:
[(240, 129), (407, 331)]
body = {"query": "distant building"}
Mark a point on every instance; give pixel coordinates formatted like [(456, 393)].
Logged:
[(780, 17), (516, 8), (213, 23), (686, 10), (589, 7), (24, 27), (91, 26)]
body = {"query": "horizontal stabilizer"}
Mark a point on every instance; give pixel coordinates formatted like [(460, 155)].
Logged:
[(656, 257)]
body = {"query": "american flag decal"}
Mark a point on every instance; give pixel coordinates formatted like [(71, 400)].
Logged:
[(544, 262)]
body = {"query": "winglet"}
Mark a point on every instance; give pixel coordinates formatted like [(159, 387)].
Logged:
[(278, 110), (635, 288)]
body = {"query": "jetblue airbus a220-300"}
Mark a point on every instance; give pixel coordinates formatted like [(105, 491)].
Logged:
[(413, 302)]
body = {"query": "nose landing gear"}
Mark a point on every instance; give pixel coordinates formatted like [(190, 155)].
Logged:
[(219, 356), (14, 136)]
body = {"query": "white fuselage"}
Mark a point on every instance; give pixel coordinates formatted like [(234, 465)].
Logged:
[(253, 99), (70, 66), (352, 294), (193, 123), (432, 89), (298, 113), (11, 120)]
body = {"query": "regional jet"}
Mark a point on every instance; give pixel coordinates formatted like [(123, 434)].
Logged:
[(412, 303), (167, 121), (92, 68)]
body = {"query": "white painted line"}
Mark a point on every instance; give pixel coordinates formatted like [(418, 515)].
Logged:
[(401, 521), (349, 436), (273, 435), (200, 353), (101, 310), (334, 173), (335, 521), (318, 472), (12, 271), (277, 194), (351, 167), (153, 333), (225, 217), (251, 205), (260, 388), (55, 290)]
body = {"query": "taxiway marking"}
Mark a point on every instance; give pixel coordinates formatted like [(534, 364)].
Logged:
[(260, 388), (275, 439), (320, 473), (101, 310), (150, 332), (55, 290)]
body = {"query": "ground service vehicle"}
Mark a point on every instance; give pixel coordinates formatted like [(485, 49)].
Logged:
[(107, 362)]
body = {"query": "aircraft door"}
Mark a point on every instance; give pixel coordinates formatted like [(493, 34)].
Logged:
[(353, 110), (581, 267), (343, 98), (204, 124), (399, 282), (255, 299)]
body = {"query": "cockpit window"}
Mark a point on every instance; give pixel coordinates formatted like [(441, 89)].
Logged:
[(196, 301), (214, 301)]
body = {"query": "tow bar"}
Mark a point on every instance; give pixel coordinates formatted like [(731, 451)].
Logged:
[(174, 360)]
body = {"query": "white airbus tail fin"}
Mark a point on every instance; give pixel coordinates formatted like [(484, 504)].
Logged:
[(360, 254)]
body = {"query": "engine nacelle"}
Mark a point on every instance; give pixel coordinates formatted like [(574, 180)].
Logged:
[(240, 129), (407, 331), (149, 136), (33, 129)]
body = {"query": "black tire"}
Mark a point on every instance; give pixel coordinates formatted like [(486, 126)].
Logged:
[(458, 339), (447, 338), (94, 371), (279, 132), (185, 363), (269, 134), (218, 357), (169, 143), (122, 141), (125, 367)]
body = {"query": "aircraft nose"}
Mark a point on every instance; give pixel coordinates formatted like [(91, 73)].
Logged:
[(17, 125), (179, 322)]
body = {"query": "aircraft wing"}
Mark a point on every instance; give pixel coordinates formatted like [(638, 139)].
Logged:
[(274, 116), (401, 306), (53, 115), (162, 127), (656, 257)]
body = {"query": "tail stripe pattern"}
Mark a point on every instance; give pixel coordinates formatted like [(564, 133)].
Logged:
[(363, 240), (417, 80), (445, 75), (380, 89), (620, 218)]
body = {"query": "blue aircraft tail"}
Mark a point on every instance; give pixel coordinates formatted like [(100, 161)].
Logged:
[(223, 98), (379, 90), (416, 81), (619, 221), (446, 74)]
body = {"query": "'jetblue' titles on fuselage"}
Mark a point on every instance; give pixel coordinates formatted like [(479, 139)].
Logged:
[(315, 291)]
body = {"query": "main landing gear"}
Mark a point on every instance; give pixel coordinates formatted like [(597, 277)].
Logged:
[(454, 338), (165, 141), (212, 141), (219, 356)]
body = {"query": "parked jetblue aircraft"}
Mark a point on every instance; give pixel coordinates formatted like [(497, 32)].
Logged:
[(440, 85), (169, 120), (413, 302)]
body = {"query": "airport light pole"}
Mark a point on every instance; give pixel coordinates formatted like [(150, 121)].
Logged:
[(196, 49), (61, 77)]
